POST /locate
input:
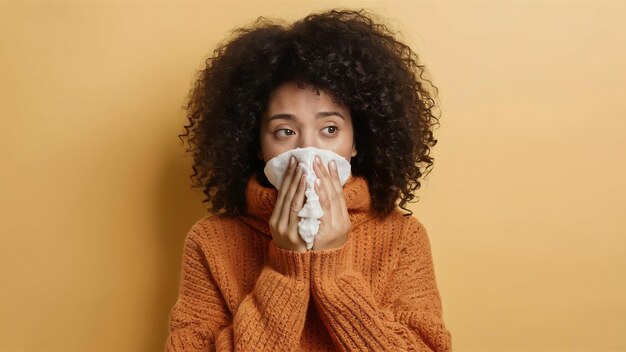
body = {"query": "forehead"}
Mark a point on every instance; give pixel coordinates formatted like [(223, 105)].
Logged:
[(302, 98)]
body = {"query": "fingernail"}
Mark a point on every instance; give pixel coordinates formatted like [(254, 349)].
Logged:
[(318, 182), (318, 159), (333, 165), (291, 161)]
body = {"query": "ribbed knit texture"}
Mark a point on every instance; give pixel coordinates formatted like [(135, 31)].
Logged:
[(238, 291)]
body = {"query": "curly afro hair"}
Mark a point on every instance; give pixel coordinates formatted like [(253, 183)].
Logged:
[(345, 53)]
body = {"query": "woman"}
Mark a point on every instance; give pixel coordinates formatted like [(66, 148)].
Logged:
[(337, 81)]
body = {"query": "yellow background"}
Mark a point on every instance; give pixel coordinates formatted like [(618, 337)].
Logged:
[(525, 207)]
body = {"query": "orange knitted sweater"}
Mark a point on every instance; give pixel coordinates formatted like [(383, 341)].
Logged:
[(238, 291)]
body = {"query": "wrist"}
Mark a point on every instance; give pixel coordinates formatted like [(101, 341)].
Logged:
[(336, 243), (328, 264), (289, 263), (293, 247)]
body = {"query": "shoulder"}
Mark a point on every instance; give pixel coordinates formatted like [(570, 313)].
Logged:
[(409, 228), (224, 241), (213, 227), (404, 222)]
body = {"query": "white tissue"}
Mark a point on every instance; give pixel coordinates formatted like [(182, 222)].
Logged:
[(308, 226)]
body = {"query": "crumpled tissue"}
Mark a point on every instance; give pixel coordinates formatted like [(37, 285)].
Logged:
[(311, 212)]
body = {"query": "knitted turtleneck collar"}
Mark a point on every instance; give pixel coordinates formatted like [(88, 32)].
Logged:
[(260, 202)]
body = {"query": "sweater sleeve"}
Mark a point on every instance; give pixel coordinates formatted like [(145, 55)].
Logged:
[(270, 317), (352, 314)]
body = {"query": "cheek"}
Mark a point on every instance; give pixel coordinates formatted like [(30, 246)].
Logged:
[(266, 148), (270, 149), (348, 141), (344, 146)]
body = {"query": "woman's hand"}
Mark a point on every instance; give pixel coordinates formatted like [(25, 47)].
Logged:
[(284, 220), (335, 223)]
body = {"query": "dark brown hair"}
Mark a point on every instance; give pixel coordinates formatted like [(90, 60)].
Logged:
[(345, 53)]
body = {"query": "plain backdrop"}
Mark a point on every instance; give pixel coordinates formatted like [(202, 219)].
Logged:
[(525, 206)]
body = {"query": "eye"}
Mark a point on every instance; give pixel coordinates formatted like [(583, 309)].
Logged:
[(284, 132), (331, 129)]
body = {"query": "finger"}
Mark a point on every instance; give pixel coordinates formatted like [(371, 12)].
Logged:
[(322, 173), (334, 173), (322, 190), (283, 221), (297, 203), (334, 176), (323, 198), (287, 178), (334, 192), (327, 183)]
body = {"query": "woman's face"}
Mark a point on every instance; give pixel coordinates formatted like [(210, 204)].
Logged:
[(303, 117)]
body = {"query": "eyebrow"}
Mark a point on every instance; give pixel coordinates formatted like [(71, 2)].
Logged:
[(292, 117)]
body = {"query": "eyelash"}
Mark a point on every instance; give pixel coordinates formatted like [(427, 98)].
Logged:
[(336, 129)]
